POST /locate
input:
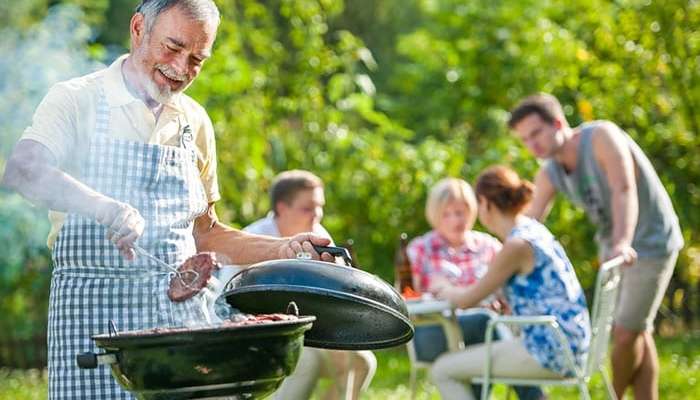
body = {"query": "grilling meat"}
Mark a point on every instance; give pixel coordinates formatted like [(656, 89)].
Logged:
[(251, 319), (187, 284), (240, 320)]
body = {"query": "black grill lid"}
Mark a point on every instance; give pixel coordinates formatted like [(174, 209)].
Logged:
[(354, 310)]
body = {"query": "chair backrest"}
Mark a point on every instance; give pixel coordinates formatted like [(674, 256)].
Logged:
[(602, 313)]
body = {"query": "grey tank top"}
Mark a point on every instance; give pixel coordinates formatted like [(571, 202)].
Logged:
[(657, 232)]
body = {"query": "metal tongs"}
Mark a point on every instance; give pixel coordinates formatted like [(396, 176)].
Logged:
[(173, 271)]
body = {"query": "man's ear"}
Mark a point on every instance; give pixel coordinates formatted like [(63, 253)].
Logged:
[(280, 207), (137, 29), (557, 123)]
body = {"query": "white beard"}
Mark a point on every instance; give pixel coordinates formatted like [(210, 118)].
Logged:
[(160, 94), (164, 94)]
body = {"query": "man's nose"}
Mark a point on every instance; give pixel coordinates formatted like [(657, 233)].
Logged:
[(530, 143), (180, 64)]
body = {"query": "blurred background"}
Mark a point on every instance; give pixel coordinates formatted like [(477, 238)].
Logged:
[(380, 98)]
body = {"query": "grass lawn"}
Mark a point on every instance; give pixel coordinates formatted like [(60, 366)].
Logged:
[(680, 374)]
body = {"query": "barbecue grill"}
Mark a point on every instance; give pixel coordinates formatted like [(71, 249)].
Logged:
[(347, 309)]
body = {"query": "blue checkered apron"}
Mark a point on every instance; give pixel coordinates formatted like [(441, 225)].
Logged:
[(92, 283)]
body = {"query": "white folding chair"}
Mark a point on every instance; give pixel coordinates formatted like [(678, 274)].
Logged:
[(453, 335), (448, 321), (605, 297)]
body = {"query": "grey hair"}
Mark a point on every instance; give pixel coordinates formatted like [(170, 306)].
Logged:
[(198, 10)]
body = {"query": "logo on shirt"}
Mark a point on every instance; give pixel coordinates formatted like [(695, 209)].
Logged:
[(186, 137)]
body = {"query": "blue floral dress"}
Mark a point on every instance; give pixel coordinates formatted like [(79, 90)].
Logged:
[(550, 289)]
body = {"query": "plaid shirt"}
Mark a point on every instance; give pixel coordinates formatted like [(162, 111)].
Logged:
[(430, 254)]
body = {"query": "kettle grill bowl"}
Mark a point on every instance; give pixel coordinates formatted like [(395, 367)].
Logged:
[(242, 361)]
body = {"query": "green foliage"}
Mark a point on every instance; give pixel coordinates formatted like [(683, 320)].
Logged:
[(285, 92), (23, 385), (24, 269), (23, 14), (458, 66)]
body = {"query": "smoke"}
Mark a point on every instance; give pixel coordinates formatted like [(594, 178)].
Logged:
[(32, 61)]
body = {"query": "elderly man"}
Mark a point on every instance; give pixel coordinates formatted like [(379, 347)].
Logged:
[(599, 167), (297, 201), (121, 156)]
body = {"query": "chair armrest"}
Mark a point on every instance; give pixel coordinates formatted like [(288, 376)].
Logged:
[(524, 320)]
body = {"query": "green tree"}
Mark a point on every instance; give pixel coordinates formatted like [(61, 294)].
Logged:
[(634, 62), (383, 98)]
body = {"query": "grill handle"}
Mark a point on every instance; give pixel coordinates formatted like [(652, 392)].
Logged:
[(335, 252), (91, 360)]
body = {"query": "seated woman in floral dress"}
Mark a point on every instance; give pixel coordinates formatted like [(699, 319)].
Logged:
[(537, 278), (455, 252)]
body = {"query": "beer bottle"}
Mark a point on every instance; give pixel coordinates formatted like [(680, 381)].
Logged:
[(402, 265)]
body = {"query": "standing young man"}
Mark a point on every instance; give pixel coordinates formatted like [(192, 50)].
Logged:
[(122, 157), (600, 168)]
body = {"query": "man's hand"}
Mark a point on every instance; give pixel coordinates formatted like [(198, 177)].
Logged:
[(627, 252), (124, 224), (304, 243)]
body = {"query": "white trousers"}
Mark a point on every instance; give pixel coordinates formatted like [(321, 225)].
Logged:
[(350, 372), (452, 372)]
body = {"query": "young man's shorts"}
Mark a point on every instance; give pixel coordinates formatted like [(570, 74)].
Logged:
[(642, 290)]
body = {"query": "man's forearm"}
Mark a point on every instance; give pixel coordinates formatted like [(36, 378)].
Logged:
[(48, 186), (234, 246), (625, 212), (542, 198)]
